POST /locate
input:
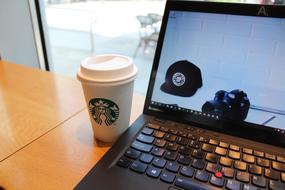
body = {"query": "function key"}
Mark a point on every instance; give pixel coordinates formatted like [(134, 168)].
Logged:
[(138, 167), (263, 162), (247, 151), (233, 185), (234, 147), (224, 145), (131, 153), (152, 126), (124, 162), (145, 139), (213, 142), (281, 159), (258, 153), (278, 166), (203, 139), (270, 156), (147, 131)]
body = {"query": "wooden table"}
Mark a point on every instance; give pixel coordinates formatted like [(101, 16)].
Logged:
[(46, 139)]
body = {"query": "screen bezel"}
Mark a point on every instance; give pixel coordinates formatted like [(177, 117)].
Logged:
[(268, 135)]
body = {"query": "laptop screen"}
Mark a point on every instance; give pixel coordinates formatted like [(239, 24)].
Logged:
[(223, 67)]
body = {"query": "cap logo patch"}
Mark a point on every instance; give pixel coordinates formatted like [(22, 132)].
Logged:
[(178, 79)]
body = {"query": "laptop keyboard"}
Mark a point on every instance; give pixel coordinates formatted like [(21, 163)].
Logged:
[(183, 157)]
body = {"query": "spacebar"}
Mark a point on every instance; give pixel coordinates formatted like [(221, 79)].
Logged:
[(190, 184)]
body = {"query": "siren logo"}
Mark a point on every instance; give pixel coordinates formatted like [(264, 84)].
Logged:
[(262, 11), (178, 79), (104, 111)]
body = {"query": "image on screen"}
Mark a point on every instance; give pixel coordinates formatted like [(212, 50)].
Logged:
[(227, 66)]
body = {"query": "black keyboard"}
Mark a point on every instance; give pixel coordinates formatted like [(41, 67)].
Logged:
[(181, 157)]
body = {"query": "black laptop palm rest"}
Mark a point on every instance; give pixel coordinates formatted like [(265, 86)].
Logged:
[(214, 115)]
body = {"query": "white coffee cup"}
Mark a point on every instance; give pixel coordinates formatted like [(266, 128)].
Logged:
[(107, 82)]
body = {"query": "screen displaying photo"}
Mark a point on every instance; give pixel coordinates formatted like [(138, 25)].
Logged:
[(225, 65)]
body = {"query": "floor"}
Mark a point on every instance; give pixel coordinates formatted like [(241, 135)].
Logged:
[(78, 30)]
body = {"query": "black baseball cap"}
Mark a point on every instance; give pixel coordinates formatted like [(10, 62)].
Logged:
[(183, 78)]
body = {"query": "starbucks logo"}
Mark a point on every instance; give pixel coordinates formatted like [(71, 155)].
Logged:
[(104, 111), (178, 79)]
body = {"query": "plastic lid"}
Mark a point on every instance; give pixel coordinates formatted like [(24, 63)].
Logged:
[(107, 68)]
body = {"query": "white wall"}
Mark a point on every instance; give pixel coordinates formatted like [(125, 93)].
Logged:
[(17, 41)]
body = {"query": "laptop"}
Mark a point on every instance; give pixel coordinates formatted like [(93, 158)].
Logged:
[(214, 115)]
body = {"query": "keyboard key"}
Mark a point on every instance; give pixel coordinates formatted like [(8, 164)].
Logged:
[(263, 162), (158, 134), (281, 159), (184, 150), (182, 133), (173, 131), (234, 147), (202, 176), (153, 172), (145, 139), (152, 126), (172, 146), (234, 155), (159, 162), (242, 176), (276, 185), (141, 146), (164, 129), (248, 158), (185, 160), (213, 142), (146, 158), (226, 161), (249, 187), (228, 172), (219, 182), (189, 184), (133, 154), (172, 166), (270, 156), (198, 154), (258, 153), (212, 158), (233, 185), (240, 165), (157, 151), (159, 143), (213, 168), (187, 171), (167, 177), (247, 151), (124, 162), (194, 144), (278, 166), (221, 151), (257, 170), (259, 181), (271, 174), (147, 131), (191, 136), (170, 137), (182, 141), (170, 155), (207, 148), (224, 145), (138, 167), (203, 139), (198, 163)]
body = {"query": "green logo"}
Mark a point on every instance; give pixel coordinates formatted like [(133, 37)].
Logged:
[(104, 111)]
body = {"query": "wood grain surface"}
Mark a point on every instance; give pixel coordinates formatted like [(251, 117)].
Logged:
[(60, 158), (32, 102)]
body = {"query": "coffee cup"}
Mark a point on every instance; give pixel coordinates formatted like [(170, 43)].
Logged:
[(107, 82)]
